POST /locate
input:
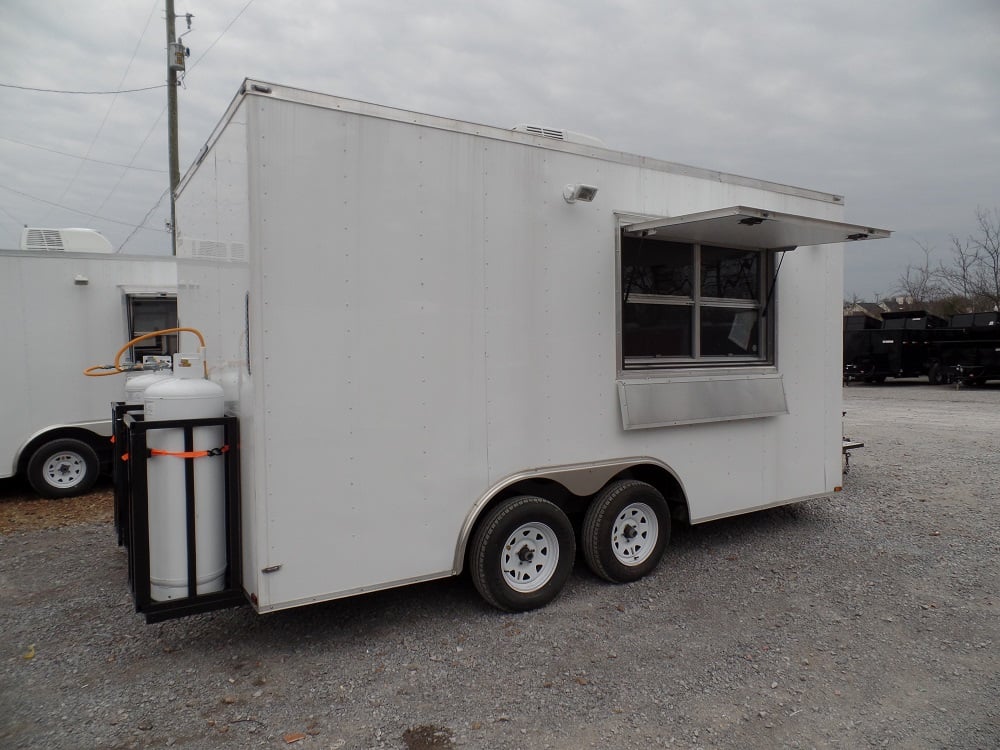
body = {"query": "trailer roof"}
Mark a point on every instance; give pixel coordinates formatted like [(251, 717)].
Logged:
[(255, 88), (741, 226)]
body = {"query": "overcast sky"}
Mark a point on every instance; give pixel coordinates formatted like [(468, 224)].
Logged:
[(893, 104)]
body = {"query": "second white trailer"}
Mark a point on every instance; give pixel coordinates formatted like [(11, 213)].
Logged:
[(455, 346), (60, 309)]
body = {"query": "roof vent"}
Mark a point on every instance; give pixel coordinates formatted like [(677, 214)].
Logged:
[(560, 135), (65, 240)]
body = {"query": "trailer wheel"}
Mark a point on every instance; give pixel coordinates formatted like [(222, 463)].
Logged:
[(63, 468), (936, 375), (625, 531), (522, 554)]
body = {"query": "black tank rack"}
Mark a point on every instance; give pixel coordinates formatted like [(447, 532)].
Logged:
[(131, 500)]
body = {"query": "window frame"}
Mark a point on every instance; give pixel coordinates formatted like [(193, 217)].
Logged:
[(764, 305)]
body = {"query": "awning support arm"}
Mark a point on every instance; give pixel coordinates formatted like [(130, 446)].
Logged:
[(774, 280)]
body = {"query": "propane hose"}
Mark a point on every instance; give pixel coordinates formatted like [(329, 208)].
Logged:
[(117, 369)]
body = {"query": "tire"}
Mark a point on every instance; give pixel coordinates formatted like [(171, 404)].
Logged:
[(522, 554), (625, 531), (936, 375), (63, 468)]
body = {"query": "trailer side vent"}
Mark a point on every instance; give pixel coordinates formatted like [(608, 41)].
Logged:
[(560, 135), (211, 249)]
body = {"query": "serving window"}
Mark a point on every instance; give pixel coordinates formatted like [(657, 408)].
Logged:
[(696, 317), (689, 304)]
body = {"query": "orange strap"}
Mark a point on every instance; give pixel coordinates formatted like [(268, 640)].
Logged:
[(184, 454), (189, 454)]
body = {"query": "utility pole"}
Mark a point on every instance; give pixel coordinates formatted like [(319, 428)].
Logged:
[(175, 62)]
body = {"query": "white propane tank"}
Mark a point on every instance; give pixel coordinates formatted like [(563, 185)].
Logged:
[(135, 387), (186, 395)]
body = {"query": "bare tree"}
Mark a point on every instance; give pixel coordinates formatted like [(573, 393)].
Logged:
[(922, 283), (987, 247), (973, 273), (959, 276)]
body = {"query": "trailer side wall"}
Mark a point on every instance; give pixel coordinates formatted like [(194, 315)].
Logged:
[(428, 317)]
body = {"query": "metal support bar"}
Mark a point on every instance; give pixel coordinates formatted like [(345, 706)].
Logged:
[(189, 509), (119, 468)]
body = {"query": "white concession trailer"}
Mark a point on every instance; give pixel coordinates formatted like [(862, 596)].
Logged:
[(451, 346), (64, 298)]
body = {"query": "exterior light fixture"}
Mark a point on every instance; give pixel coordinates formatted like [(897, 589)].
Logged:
[(81, 280), (581, 192)]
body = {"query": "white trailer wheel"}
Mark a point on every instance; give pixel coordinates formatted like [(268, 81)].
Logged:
[(625, 531), (634, 534), (530, 556), (63, 468), (522, 554)]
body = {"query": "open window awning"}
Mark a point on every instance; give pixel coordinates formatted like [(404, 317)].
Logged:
[(740, 226)]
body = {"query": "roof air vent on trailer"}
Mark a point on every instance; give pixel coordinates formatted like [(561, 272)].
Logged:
[(69, 240), (560, 135)]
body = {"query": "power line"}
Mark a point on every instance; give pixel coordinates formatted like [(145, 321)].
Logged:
[(144, 220), (228, 27), (135, 227), (75, 156), (134, 157), (83, 213), (88, 93), (11, 216), (163, 111), (100, 129)]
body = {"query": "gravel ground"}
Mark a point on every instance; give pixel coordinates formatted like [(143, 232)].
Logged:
[(869, 619), (22, 510)]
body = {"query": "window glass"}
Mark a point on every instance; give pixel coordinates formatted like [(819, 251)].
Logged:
[(652, 330), (650, 267), (148, 314), (728, 332), (730, 274), (691, 304), (153, 315)]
